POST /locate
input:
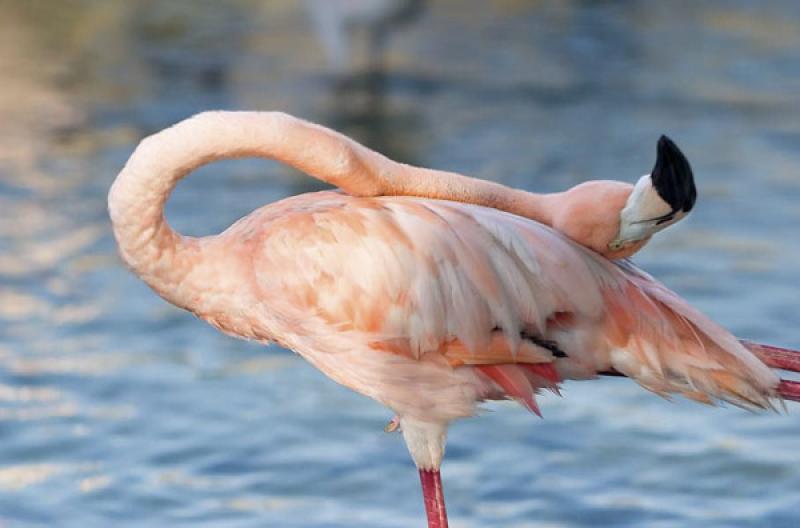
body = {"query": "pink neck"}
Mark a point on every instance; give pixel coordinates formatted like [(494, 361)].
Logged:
[(165, 259), (428, 183)]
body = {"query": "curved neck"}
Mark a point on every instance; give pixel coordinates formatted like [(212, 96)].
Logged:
[(430, 183), (165, 259)]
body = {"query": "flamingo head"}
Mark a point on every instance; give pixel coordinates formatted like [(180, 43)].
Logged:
[(658, 199)]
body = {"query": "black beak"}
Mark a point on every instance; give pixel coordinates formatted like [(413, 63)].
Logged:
[(672, 177)]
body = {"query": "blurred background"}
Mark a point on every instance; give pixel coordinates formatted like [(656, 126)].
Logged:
[(117, 409)]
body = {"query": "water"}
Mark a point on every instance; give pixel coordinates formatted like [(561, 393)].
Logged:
[(118, 410)]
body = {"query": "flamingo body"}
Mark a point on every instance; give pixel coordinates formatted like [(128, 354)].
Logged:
[(431, 307), (427, 305)]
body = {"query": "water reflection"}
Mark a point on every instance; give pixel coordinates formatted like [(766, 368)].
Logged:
[(115, 407)]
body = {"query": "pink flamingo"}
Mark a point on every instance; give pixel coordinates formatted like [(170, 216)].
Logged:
[(429, 291)]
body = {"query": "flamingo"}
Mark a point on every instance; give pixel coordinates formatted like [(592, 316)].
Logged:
[(432, 292), (336, 22)]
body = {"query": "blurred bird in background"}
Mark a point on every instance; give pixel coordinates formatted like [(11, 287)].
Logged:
[(344, 26)]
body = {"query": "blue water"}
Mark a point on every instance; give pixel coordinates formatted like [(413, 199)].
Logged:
[(117, 409)]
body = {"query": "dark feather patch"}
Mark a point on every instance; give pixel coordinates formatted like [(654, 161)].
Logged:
[(672, 177), (547, 344)]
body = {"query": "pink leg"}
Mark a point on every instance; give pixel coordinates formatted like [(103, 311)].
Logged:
[(775, 357), (434, 498), (789, 390)]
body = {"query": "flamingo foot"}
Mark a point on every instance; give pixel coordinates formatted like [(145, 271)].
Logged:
[(393, 425), (433, 496)]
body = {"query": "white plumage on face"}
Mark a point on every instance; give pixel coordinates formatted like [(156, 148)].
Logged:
[(659, 199), (645, 214)]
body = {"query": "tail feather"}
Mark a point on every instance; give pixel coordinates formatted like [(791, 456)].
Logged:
[(513, 382), (522, 381), (669, 347)]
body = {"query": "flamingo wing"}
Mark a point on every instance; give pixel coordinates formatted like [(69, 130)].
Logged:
[(462, 286)]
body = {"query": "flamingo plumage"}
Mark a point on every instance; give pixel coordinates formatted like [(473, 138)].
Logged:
[(427, 291)]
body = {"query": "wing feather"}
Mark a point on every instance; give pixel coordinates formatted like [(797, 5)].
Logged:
[(463, 286)]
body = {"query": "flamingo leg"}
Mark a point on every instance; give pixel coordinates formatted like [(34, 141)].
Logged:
[(779, 358), (789, 390), (775, 357), (433, 496)]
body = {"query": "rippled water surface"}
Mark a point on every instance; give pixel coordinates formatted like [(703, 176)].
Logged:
[(117, 409)]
